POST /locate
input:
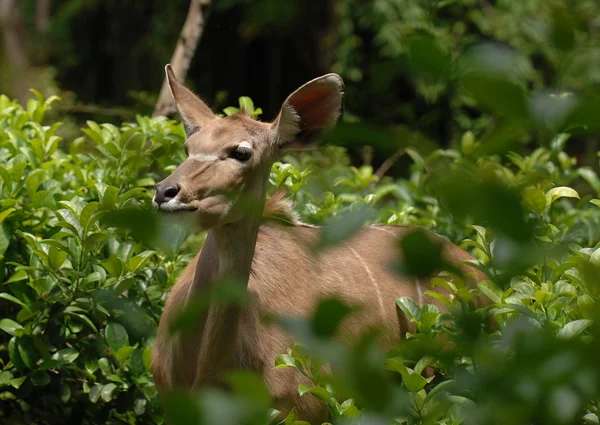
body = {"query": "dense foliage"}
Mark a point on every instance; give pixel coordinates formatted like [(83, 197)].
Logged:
[(86, 269)]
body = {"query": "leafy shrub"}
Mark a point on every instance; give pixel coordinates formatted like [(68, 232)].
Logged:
[(86, 269), (80, 298)]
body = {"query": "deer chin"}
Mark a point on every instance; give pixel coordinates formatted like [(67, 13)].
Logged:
[(204, 214)]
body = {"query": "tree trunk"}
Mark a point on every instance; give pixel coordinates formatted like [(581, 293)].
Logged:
[(15, 46), (42, 16), (183, 54)]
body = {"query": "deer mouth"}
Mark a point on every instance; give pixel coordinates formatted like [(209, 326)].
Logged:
[(173, 206)]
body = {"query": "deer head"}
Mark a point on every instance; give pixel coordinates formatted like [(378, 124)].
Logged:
[(229, 159)]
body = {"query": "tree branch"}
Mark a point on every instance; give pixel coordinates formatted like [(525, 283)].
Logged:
[(389, 162), (183, 54)]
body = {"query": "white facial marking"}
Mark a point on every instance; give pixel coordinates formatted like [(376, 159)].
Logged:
[(204, 158), (245, 144)]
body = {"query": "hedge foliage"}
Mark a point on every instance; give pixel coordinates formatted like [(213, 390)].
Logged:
[(85, 270)]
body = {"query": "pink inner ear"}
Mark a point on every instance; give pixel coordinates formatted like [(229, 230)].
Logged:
[(318, 106)]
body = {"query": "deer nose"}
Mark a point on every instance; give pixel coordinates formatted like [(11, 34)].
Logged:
[(165, 192)]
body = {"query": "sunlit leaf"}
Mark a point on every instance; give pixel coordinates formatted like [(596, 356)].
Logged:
[(574, 328), (560, 192)]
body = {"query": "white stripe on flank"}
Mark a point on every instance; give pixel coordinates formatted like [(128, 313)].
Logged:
[(203, 158), (384, 230), (417, 280), (419, 291), (373, 281)]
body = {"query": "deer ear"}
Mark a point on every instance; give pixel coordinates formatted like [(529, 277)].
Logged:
[(194, 112), (314, 107)]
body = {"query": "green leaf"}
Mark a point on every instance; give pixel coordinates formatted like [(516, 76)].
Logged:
[(286, 360), (108, 391), (123, 353), (250, 386), (587, 305), (145, 182), (66, 355), (290, 419), (5, 378), (105, 365), (64, 393), (40, 378), (56, 258), (4, 238), (573, 328), (560, 192), (28, 352), (319, 392), (491, 291), (344, 226), (109, 199), (13, 299), (409, 307), (4, 214), (17, 276), (113, 265), (423, 363), (467, 142), (595, 257), (85, 217), (116, 336), (535, 198), (396, 365), (330, 312), (414, 382), (125, 284), (17, 382), (421, 254), (230, 110), (246, 105), (139, 260), (92, 241), (94, 394), (271, 415), (14, 355), (10, 326), (147, 359), (135, 142), (139, 406)]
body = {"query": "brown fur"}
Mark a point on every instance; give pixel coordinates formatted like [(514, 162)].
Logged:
[(274, 264)]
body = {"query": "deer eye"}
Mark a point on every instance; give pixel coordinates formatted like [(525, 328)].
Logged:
[(241, 153)]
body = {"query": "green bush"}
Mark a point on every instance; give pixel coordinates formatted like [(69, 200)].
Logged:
[(85, 270), (80, 298)]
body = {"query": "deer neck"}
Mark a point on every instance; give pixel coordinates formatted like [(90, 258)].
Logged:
[(235, 244), (226, 255)]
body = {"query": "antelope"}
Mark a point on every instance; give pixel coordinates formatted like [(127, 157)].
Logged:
[(274, 263)]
